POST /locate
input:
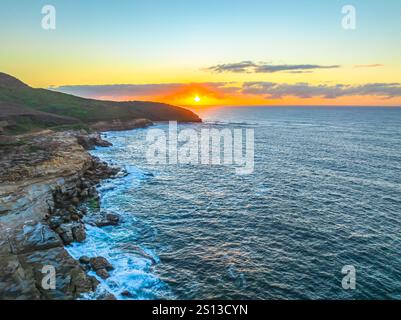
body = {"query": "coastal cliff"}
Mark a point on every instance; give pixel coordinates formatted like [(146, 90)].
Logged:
[(46, 178), (25, 109)]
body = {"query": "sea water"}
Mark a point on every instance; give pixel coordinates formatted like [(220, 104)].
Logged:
[(325, 193)]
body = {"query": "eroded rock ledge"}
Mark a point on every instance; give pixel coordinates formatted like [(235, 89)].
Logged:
[(44, 178)]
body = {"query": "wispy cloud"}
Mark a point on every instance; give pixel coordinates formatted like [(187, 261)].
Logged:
[(376, 65), (291, 68), (302, 90), (117, 91), (145, 91), (222, 90), (238, 67), (253, 67)]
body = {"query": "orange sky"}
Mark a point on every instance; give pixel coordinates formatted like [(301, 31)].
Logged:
[(174, 52), (200, 95)]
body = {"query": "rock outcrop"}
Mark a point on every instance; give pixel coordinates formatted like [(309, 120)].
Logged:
[(119, 125), (26, 109), (92, 140), (43, 180), (104, 219)]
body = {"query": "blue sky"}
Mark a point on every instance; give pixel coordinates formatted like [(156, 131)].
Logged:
[(161, 41), (224, 29)]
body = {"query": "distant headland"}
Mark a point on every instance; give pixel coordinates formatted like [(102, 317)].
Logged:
[(24, 109)]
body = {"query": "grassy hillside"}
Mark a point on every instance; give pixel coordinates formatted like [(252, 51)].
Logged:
[(46, 104), (19, 119)]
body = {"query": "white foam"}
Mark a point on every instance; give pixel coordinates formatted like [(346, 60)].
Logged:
[(132, 270)]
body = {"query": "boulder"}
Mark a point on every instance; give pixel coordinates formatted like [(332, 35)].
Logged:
[(78, 232), (106, 296), (98, 263), (16, 282), (113, 218), (71, 279), (102, 273), (84, 260), (126, 293), (108, 219), (75, 201), (90, 141), (34, 236), (84, 194), (55, 221), (66, 234)]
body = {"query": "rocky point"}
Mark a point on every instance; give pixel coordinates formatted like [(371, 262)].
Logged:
[(44, 180)]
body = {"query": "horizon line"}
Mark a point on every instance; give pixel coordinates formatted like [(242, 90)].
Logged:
[(286, 106)]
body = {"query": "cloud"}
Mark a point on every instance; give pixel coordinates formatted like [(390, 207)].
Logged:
[(291, 68), (303, 90), (222, 90), (238, 67), (377, 65), (252, 67), (116, 91), (156, 91)]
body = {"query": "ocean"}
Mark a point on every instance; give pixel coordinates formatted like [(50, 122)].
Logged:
[(325, 193)]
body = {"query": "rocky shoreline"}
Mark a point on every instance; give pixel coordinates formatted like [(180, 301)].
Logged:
[(45, 180)]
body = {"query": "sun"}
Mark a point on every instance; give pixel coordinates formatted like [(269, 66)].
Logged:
[(197, 99)]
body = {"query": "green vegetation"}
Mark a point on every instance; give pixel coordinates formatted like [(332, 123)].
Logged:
[(34, 149), (12, 143), (78, 126), (93, 204), (31, 109), (22, 125)]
